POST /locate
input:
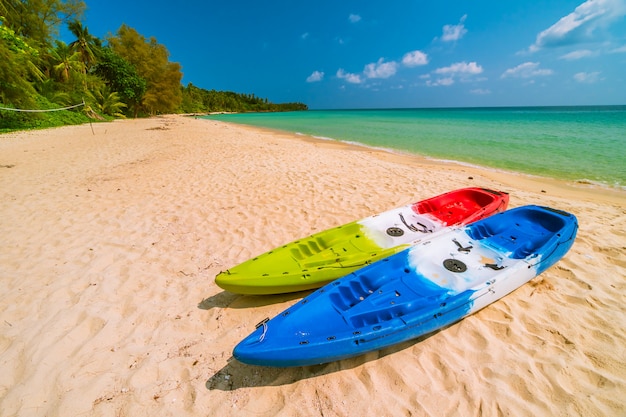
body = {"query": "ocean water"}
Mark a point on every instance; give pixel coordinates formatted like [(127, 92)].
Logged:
[(582, 143)]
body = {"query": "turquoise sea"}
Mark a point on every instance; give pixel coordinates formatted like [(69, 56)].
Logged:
[(582, 143)]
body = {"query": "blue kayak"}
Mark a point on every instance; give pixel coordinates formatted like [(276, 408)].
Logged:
[(414, 292)]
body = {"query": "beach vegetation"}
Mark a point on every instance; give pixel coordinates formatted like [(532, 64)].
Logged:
[(151, 62), (15, 57), (107, 102), (10, 121), (66, 63), (199, 100), (49, 90), (85, 45), (38, 21), (124, 75)]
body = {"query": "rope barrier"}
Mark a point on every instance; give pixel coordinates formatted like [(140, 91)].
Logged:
[(43, 111)]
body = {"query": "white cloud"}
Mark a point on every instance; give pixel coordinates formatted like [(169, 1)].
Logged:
[(305, 35), (461, 68), (480, 91), (415, 58), (315, 77), (580, 25), (353, 18), (380, 69), (349, 77), (587, 77), (619, 50), (574, 55), (441, 81), (526, 70), (454, 32)]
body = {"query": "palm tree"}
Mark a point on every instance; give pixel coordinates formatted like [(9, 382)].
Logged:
[(107, 101), (65, 61), (85, 45), (48, 89)]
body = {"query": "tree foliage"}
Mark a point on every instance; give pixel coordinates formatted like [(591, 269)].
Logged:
[(15, 61), (151, 62), (86, 45), (107, 101), (199, 100), (126, 74), (39, 20), (66, 63), (122, 77)]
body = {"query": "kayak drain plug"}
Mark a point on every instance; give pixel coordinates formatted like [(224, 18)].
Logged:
[(454, 265)]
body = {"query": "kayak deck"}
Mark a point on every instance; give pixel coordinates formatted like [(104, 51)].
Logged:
[(414, 292), (311, 262)]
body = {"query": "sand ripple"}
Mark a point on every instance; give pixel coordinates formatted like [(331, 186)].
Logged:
[(110, 244)]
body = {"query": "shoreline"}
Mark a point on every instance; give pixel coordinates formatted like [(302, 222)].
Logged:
[(552, 143), (589, 191), (111, 242)]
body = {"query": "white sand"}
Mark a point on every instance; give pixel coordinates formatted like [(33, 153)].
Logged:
[(110, 244)]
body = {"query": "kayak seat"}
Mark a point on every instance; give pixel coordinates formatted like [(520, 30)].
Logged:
[(531, 244), (526, 249), (480, 231), (424, 207), (457, 212), (451, 212)]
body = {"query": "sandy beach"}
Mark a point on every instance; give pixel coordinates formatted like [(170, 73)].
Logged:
[(110, 241)]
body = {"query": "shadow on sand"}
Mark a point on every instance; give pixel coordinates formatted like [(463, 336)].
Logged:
[(227, 299), (235, 375)]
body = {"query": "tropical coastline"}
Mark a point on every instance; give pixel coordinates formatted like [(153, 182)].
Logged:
[(112, 239), (574, 143)]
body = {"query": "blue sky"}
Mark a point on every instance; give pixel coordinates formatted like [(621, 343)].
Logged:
[(400, 53)]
